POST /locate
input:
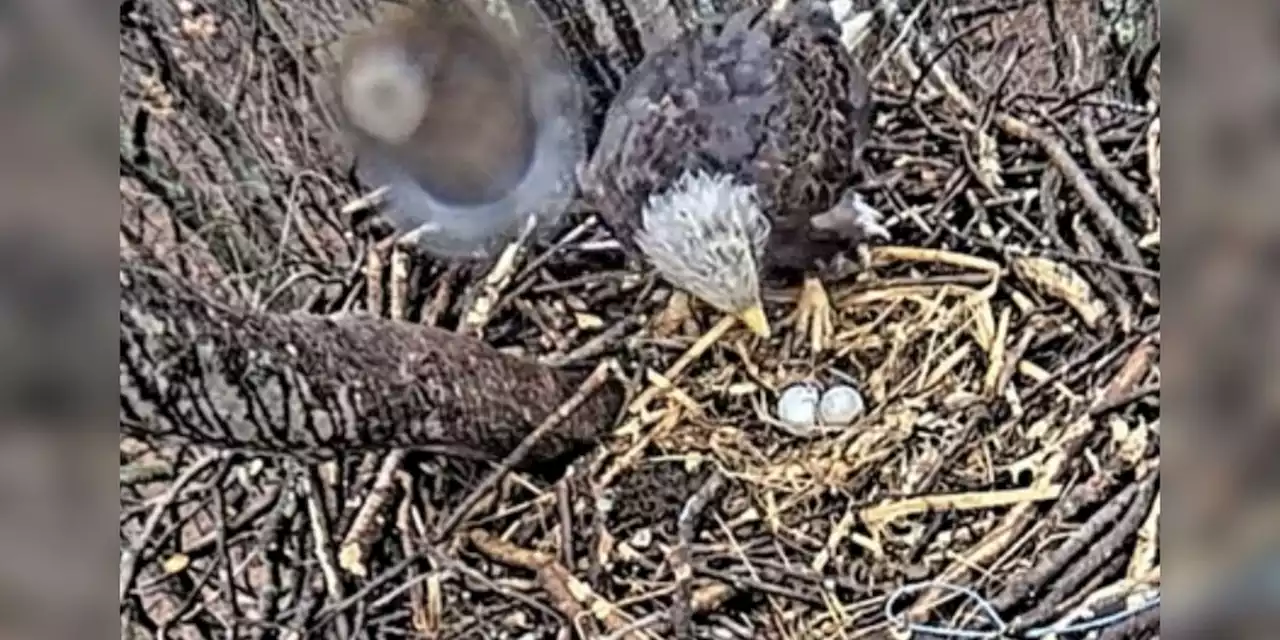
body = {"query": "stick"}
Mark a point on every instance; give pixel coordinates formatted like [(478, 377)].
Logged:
[(686, 525), (593, 382)]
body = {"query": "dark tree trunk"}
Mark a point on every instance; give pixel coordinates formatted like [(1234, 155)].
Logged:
[(200, 371)]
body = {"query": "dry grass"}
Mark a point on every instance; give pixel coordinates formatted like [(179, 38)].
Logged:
[(1007, 345)]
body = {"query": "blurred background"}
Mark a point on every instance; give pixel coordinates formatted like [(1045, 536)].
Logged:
[(58, 493), (1223, 363)]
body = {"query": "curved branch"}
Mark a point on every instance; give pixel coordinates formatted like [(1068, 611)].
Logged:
[(201, 371)]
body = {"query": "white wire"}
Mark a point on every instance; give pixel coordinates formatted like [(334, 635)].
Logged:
[(988, 610)]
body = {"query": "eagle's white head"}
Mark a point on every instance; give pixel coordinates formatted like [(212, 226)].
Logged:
[(706, 234)]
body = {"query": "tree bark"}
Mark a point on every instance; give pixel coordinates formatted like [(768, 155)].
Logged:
[(200, 371)]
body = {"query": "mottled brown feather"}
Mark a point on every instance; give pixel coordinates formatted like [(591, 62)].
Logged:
[(775, 100), (200, 370)]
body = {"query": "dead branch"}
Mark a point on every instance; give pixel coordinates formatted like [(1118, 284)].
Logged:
[(204, 372)]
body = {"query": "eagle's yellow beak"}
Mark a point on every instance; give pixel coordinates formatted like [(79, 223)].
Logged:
[(755, 320)]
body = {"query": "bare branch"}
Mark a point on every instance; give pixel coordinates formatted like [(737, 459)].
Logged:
[(204, 372)]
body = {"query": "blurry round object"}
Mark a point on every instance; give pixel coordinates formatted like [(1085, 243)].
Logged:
[(385, 95), (473, 125), (798, 405), (840, 405)]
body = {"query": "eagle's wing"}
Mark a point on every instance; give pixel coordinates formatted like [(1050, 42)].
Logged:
[(828, 112), (828, 118), (707, 100)]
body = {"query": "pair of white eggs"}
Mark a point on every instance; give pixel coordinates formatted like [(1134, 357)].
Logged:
[(804, 405)]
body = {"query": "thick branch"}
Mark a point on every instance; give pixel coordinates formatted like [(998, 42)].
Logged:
[(204, 372)]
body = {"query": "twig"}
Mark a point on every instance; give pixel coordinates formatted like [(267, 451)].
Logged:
[(669, 419), (887, 255), (1112, 285), (570, 596), (228, 572), (144, 472), (1030, 582), (362, 532), (129, 558), (1153, 159), (904, 31), (598, 344), (686, 526), (1105, 549), (1091, 492), (704, 600), (1131, 373), (593, 382), (1089, 360), (364, 202), (426, 604), (1013, 356), (1122, 595), (373, 277), (1106, 217), (564, 507), (688, 357), (1014, 524), (1143, 560), (498, 278), (1143, 625), (997, 353), (399, 283), (1132, 395), (1123, 187), (320, 537), (746, 583), (839, 533), (886, 512)]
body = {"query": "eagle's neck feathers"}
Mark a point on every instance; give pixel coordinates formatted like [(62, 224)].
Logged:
[(705, 233)]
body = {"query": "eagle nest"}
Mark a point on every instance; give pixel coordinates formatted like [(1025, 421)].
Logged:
[(1007, 347)]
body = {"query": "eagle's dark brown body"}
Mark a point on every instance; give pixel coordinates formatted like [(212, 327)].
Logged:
[(728, 157), (776, 101)]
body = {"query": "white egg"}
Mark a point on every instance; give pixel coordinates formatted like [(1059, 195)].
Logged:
[(840, 405), (798, 405)]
